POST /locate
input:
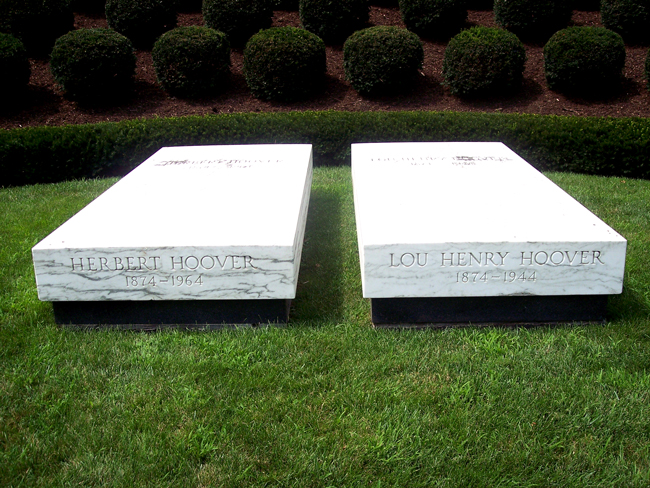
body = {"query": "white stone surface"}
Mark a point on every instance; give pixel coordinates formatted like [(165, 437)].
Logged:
[(189, 223), (474, 219)]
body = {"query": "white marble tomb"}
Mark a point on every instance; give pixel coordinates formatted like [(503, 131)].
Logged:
[(474, 220), (189, 223)]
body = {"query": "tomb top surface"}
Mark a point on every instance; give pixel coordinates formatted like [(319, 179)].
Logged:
[(197, 196), (462, 192)]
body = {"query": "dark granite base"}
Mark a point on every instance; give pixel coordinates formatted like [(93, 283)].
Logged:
[(395, 312), (156, 314)]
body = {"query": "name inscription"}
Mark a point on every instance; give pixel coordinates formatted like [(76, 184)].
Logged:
[(454, 160), (90, 264), (497, 266), (211, 163), (496, 259)]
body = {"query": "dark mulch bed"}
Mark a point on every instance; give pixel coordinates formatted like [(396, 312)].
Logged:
[(46, 105)]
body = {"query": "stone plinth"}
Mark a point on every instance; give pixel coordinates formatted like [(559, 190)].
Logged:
[(474, 220), (219, 224)]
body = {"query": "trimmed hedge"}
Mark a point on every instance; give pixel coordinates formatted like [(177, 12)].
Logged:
[(93, 65), (532, 19), (433, 18), (333, 21), (284, 63), (142, 21), (37, 23), (238, 19), (483, 60), (14, 66), (382, 59), (584, 60), (593, 145), (192, 61), (630, 18)]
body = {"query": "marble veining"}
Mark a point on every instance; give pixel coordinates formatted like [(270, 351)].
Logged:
[(474, 219), (190, 223)]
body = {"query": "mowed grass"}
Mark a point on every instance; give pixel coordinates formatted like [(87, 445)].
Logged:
[(326, 400)]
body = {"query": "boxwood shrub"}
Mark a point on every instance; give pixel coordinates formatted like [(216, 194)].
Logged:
[(433, 18), (37, 23), (284, 63), (14, 66), (584, 60), (483, 60), (93, 65), (532, 19), (238, 19), (333, 21), (382, 59), (142, 21), (630, 18), (192, 61)]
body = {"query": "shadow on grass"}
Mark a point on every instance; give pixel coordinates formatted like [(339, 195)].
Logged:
[(319, 296), (630, 305)]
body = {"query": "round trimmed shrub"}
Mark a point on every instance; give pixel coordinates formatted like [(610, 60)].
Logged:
[(37, 23), (532, 19), (433, 18), (14, 64), (284, 63), (333, 21), (630, 18), (93, 64), (584, 60), (192, 61), (142, 21), (483, 60), (238, 19), (382, 59)]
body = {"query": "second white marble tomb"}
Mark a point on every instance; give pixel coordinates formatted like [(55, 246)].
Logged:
[(474, 220)]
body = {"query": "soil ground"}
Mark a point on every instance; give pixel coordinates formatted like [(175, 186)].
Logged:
[(45, 103)]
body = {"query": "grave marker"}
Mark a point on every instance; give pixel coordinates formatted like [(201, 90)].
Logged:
[(470, 232), (200, 235)]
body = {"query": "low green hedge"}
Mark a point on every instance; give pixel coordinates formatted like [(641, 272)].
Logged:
[(605, 146)]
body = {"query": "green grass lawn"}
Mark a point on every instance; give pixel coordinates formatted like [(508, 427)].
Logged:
[(326, 400)]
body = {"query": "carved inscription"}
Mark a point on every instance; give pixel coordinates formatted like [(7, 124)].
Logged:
[(211, 163), (454, 160), (496, 258), (91, 264), (497, 266)]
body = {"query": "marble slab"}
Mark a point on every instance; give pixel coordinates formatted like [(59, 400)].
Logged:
[(474, 220), (189, 223)]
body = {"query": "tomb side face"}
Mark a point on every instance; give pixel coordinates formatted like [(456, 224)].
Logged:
[(472, 220), (189, 223)]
